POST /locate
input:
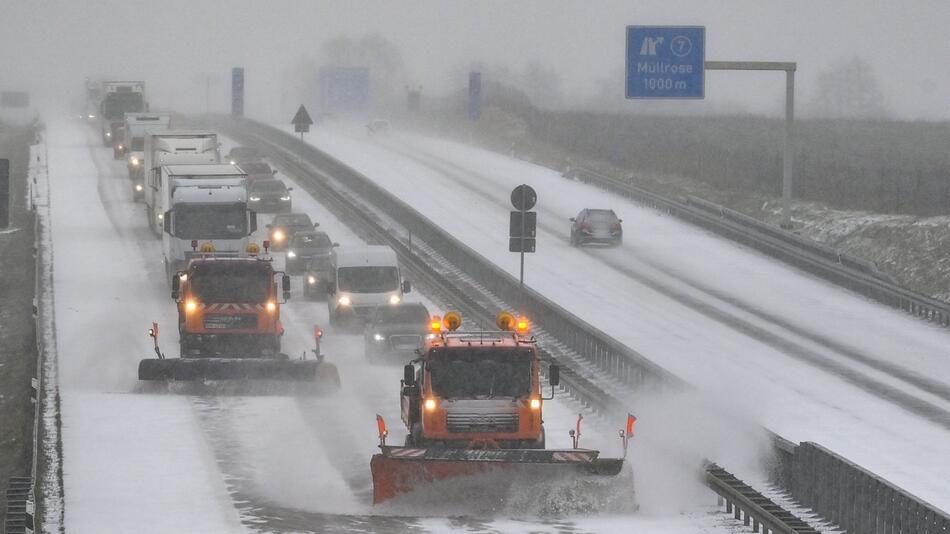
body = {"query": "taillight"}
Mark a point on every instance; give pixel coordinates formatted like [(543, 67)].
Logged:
[(615, 227)]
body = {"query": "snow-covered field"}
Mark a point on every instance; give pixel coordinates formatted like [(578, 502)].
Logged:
[(807, 359), (141, 462)]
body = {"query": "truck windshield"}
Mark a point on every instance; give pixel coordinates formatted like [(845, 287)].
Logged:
[(480, 372), (367, 279), (116, 105), (229, 284), (208, 221), (138, 144)]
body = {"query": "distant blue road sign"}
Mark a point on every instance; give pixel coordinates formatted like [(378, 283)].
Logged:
[(237, 91), (474, 95), (666, 61), (344, 89)]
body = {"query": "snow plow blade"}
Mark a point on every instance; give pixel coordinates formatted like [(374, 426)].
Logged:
[(398, 470), (198, 369)]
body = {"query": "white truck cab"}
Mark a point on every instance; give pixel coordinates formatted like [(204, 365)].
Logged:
[(205, 211), (173, 147), (362, 278)]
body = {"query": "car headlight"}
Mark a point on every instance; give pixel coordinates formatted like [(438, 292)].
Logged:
[(285, 198), (135, 162), (291, 254), (379, 337), (254, 199), (394, 299), (91, 116), (311, 280), (138, 187), (108, 134), (343, 300), (278, 236)]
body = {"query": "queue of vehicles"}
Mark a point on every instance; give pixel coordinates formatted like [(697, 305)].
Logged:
[(471, 402)]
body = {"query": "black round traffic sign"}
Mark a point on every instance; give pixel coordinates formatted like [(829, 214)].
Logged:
[(523, 197)]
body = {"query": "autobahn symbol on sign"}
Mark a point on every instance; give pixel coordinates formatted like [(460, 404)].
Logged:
[(666, 61)]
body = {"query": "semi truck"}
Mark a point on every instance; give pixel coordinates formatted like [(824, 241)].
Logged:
[(204, 209), (136, 126), (119, 98), (171, 147)]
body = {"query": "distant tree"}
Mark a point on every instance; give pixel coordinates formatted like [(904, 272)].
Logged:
[(542, 84), (849, 89)]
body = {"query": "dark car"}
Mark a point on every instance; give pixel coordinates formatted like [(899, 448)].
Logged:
[(243, 154), (258, 170), (306, 246), (396, 331), (282, 229), (316, 277), (596, 226), (269, 196)]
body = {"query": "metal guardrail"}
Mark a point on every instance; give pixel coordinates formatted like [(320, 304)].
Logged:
[(606, 353), (851, 273), (857, 499)]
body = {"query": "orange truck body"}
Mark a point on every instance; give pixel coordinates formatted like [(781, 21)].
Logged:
[(250, 319)]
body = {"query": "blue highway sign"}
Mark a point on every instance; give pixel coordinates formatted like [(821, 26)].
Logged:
[(666, 61)]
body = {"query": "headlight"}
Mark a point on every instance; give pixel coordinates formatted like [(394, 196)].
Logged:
[(271, 306), (119, 147), (394, 299), (108, 134), (286, 198), (343, 301), (311, 280), (138, 187), (161, 216), (278, 236), (535, 404), (91, 116), (430, 405), (233, 162), (191, 305), (135, 162), (254, 199), (183, 277), (291, 254), (379, 337)]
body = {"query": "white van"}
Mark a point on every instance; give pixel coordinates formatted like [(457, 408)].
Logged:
[(362, 278)]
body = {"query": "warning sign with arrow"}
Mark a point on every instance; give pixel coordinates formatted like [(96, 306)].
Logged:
[(302, 120)]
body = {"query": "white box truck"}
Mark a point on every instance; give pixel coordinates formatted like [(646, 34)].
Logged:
[(133, 145), (173, 147), (118, 98), (204, 211), (362, 278)]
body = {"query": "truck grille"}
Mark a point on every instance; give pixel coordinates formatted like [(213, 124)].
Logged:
[(405, 342), (223, 322), (478, 422)]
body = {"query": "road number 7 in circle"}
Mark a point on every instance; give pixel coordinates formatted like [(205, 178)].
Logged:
[(681, 46)]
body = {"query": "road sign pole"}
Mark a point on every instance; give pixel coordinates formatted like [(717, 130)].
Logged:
[(524, 216), (787, 175)]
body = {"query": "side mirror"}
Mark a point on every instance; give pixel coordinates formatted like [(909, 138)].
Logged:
[(409, 375), (176, 286), (336, 244), (285, 286), (253, 222), (554, 375), (274, 172), (619, 220), (268, 226), (315, 225), (167, 222), (572, 219), (406, 286), (290, 188)]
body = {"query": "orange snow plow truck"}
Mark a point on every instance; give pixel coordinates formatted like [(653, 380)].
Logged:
[(229, 325), (471, 403)]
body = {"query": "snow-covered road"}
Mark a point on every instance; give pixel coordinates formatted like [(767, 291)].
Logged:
[(138, 462), (808, 359)]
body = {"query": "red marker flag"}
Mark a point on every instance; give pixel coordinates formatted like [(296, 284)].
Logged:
[(631, 419)]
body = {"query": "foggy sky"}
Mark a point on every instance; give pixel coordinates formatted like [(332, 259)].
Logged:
[(49, 47)]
